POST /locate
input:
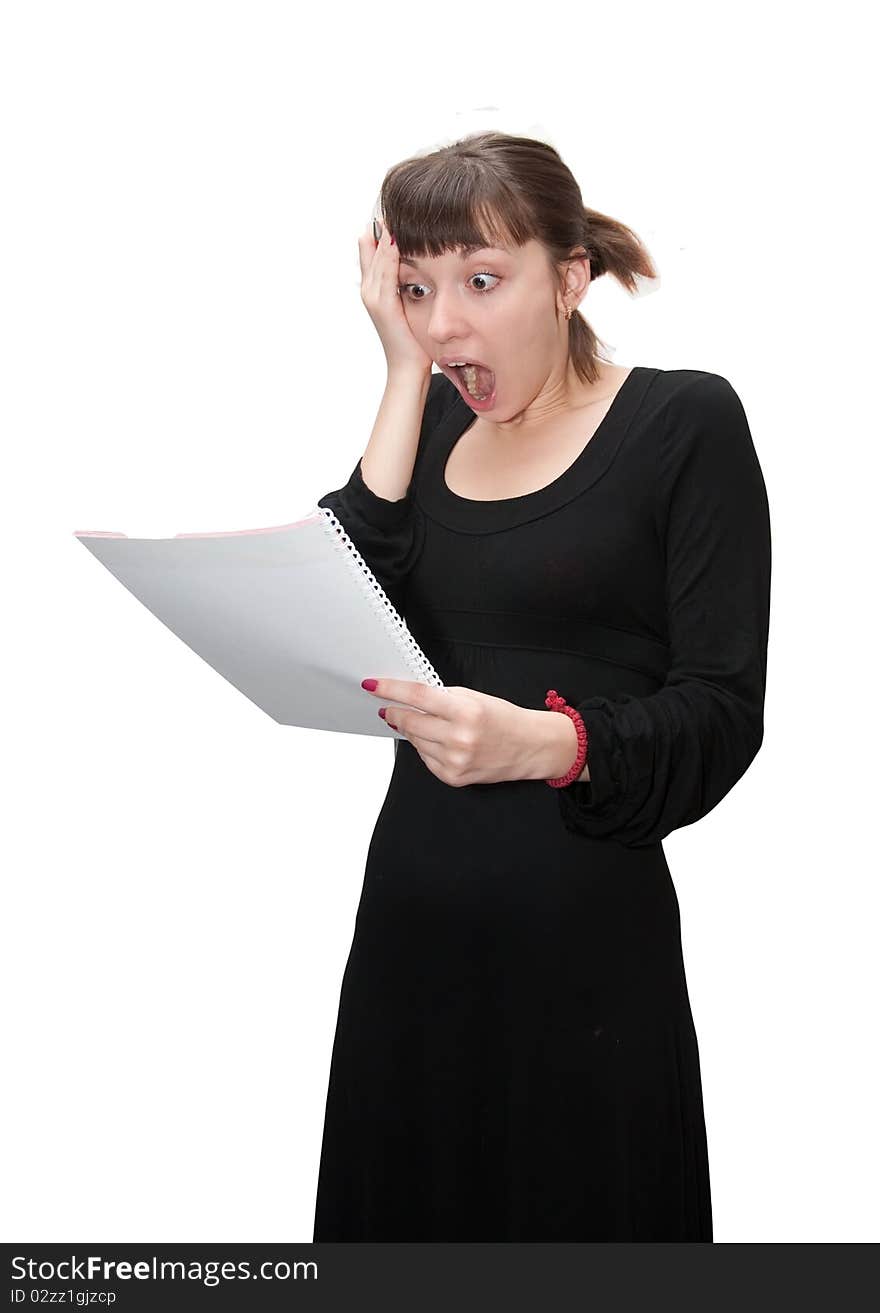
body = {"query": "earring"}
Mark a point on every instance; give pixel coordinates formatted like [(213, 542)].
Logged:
[(568, 313)]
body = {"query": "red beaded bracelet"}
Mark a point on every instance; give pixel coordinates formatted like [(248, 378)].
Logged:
[(557, 703)]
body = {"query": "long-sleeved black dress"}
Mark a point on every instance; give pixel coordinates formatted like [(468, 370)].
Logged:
[(515, 1057)]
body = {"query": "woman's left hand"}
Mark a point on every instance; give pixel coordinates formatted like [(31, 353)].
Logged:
[(462, 736)]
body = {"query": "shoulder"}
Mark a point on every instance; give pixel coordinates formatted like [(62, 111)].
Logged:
[(697, 408), (695, 392), (703, 444)]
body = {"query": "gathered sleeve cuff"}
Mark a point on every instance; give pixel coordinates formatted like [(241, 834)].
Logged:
[(361, 504)]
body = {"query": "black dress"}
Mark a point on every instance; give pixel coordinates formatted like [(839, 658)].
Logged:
[(515, 1056)]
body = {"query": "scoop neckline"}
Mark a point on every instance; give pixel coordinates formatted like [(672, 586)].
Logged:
[(438, 499)]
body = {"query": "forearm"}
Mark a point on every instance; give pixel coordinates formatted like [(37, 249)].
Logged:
[(388, 462), (553, 746)]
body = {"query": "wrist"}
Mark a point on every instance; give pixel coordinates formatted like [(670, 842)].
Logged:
[(410, 375), (554, 747)]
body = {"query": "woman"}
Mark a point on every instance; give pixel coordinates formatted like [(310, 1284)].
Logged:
[(515, 1057)]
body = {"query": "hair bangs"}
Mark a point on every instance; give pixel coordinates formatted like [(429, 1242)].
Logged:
[(446, 204)]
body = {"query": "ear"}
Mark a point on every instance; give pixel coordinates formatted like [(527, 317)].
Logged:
[(576, 278)]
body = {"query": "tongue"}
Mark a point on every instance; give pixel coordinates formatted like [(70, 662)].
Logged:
[(485, 380)]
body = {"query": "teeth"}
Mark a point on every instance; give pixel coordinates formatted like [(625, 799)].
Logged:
[(469, 373)]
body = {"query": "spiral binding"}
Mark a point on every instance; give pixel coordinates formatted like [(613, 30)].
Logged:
[(412, 653)]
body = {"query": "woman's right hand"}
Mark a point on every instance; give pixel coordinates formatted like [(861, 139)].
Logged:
[(380, 277)]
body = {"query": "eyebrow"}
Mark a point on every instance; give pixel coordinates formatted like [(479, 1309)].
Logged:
[(466, 251)]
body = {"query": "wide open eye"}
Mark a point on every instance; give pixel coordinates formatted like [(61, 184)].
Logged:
[(481, 291), (486, 274)]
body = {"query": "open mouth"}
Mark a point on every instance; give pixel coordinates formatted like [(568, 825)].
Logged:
[(476, 381)]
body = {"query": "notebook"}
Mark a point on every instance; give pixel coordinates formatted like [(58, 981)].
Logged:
[(291, 615)]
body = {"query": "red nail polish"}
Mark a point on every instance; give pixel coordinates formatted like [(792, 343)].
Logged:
[(369, 684), (382, 712)]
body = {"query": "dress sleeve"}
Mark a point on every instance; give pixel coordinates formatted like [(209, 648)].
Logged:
[(663, 761), (389, 534)]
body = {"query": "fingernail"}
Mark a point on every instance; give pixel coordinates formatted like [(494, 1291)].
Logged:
[(382, 712), (369, 684)]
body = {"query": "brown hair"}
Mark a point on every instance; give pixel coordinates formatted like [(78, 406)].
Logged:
[(491, 188)]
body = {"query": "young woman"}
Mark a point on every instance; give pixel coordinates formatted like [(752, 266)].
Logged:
[(515, 1056)]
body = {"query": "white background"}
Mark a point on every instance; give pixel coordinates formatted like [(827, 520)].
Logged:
[(184, 348)]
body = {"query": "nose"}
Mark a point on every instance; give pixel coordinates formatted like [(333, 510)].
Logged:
[(446, 321)]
